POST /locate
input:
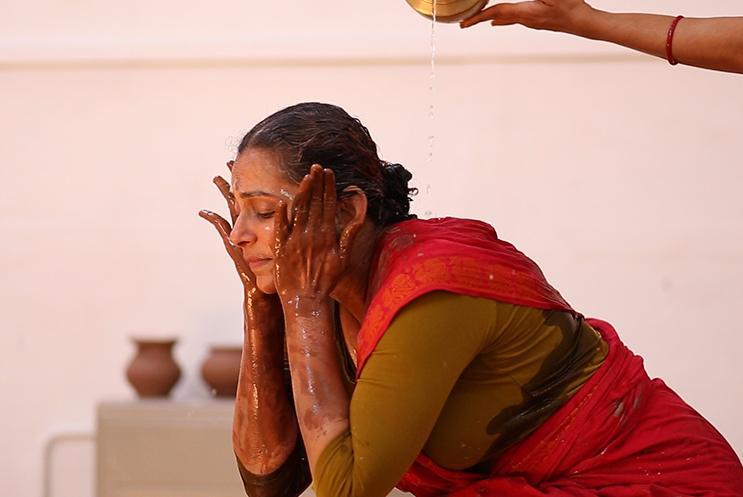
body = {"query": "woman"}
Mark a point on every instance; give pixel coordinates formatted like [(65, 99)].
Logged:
[(711, 43), (472, 375)]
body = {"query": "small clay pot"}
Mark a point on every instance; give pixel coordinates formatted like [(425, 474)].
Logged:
[(153, 372), (221, 369)]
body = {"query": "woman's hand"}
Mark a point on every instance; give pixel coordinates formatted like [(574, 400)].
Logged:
[(554, 15), (310, 256), (224, 228)]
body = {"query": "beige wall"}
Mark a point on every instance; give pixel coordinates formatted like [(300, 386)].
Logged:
[(620, 175)]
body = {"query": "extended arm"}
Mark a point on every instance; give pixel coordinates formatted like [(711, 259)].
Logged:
[(711, 43)]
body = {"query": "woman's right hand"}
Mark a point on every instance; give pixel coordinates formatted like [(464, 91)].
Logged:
[(253, 295)]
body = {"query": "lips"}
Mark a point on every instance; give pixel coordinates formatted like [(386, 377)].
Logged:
[(256, 263)]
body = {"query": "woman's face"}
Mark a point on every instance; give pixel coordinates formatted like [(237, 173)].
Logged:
[(258, 185)]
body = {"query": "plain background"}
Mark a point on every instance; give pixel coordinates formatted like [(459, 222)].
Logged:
[(619, 174)]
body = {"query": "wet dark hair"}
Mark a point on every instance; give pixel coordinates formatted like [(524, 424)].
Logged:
[(316, 133)]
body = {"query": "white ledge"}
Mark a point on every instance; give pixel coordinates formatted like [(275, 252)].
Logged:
[(508, 46)]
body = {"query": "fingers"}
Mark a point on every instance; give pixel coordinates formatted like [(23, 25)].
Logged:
[(499, 14), (302, 204), (224, 189), (316, 199), (329, 200), (305, 199), (220, 223), (314, 208), (223, 228), (281, 227)]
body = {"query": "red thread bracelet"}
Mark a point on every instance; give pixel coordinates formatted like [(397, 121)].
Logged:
[(669, 41)]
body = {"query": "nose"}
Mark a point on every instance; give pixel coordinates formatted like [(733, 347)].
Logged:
[(242, 234)]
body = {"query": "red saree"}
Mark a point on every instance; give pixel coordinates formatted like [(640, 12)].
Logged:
[(621, 435)]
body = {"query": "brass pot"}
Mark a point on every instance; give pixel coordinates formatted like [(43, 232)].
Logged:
[(448, 10)]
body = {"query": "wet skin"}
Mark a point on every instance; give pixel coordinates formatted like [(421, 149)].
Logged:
[(261, 443), (293, 269)]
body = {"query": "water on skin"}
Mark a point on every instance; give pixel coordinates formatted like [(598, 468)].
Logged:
[(309, 338), (286, 194)]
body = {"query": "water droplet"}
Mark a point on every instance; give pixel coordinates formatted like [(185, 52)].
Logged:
[(286, 194)]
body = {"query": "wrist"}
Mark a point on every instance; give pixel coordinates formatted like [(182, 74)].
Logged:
[(585, 21), (261, 310), (301, 305)]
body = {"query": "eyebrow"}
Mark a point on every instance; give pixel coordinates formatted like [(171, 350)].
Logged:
[(257, 193)]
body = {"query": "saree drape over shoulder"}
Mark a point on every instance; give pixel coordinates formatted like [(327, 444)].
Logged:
[(621, 435)]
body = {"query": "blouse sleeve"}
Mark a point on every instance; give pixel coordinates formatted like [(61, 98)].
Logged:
[(400, 394)]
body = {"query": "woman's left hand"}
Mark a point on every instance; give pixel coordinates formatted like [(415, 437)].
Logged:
[(309, 255)]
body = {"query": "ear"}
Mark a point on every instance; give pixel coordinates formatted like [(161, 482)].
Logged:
[(351, 208)]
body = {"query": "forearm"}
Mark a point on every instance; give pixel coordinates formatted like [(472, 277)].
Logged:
[(264, 428), (712, 43), (320, 397), (289, 480)]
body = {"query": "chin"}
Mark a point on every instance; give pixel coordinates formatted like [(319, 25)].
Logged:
[(265, 284)]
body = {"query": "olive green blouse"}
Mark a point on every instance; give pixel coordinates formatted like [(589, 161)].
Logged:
[(458, 378)]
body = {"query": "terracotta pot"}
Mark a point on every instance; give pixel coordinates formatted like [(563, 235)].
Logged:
[(153, 372), (221, 369)]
